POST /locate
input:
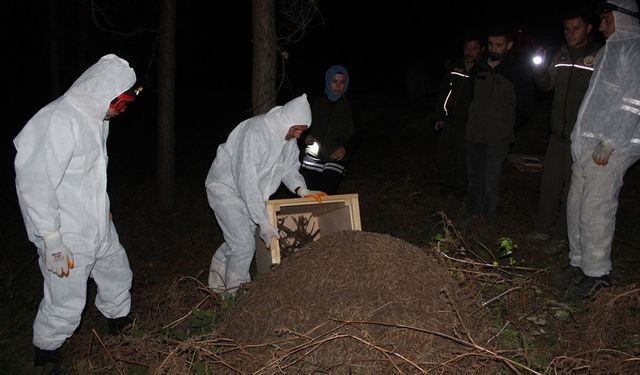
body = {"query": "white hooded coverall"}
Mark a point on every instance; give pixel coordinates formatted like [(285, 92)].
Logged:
[(610, 113), (61, 182), (247, 170)]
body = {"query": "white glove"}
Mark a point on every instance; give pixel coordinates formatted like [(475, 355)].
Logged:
[(306, 193), (267, 232), (57, 257), (601, 153)]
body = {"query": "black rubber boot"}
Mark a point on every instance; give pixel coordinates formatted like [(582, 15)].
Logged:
[(587, 286), (116, 325), (49, 360), (566, 275)]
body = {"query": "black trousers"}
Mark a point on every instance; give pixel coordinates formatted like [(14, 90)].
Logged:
[(484, 169), (327, 181), (451, 158), (554, 188)]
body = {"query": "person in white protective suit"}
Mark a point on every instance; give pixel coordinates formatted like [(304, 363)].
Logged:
[(61, 183), (605, 143), (259, 154)]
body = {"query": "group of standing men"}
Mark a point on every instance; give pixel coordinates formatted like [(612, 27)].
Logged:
[(594, 123)]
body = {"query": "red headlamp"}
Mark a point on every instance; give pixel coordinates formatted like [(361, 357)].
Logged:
[(119, 104)]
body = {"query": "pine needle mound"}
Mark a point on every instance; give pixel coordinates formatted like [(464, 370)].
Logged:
[(355, 301)]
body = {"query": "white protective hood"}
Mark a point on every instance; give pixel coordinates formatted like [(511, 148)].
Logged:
[(61, 158), (610, 111), (256, 157)]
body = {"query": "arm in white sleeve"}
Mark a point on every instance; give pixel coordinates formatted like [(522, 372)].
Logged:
[(41, 161), (245, 174), (625, 110)]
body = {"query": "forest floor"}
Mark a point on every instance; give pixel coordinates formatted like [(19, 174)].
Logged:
[(418, 290)]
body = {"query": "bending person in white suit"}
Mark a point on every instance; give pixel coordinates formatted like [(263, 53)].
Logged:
[(259, 154)]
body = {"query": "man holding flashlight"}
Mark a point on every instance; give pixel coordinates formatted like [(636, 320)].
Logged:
[(568, 76), (605, 143)]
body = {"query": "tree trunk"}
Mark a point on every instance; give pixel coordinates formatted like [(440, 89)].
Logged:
[(54, 49), (265, 47), (83, 13), (166, 104)]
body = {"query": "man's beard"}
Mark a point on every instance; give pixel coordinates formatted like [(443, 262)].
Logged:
[(495, 56)]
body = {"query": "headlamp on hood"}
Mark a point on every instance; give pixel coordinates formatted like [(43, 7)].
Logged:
[(119, 104), (606, 7)]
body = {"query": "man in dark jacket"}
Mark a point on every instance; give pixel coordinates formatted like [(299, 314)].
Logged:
[(501, 102), (568, 76), (454, 97)]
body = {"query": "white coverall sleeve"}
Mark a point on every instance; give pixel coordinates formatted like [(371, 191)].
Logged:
[(41, 161), (626, 115), (244, 167)]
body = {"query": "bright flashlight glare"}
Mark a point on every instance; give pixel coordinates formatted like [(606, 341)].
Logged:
[(313, 149), (537, 60)]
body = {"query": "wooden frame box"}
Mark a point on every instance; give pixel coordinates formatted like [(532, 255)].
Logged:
[(335, 213)]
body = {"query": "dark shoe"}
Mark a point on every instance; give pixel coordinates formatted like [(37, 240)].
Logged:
[(48, 361), (566, 275), (587, 286), (537, 236), (117, 325)]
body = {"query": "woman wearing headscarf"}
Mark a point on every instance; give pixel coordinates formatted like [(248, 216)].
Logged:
[(332, 139)]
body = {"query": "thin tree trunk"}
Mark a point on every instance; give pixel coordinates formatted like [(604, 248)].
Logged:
[(166, 104), (263, 90), (54, 49), (83, 13)]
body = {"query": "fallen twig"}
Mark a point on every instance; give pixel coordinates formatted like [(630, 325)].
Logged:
[(115, 362)]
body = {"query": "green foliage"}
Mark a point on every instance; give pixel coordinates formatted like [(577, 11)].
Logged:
[(505, 250), (630, 344), (137, 370), (203, 321), (559, 310), (200, 368), (537, 319)]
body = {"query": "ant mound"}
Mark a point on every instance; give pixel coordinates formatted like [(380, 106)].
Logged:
[(357, 302)]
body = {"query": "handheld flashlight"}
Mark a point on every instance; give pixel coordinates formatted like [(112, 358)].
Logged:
[(537, 60)]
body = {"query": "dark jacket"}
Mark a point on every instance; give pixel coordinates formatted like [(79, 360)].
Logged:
[(568, 75), (455, 94), (333, 126), (502, 101)]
